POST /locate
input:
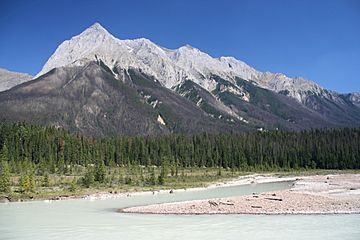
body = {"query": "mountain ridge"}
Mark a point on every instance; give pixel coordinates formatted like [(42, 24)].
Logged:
[(99, 85), (178, 64)]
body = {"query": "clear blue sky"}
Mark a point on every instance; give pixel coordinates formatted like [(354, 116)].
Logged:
[(316, 39)]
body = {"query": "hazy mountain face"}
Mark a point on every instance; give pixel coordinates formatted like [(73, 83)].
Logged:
[(101, 85), (10, 79)]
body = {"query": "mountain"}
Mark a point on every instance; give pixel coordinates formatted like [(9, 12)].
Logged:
[(10, 79), (170, 67), (91, 100), (354, 98), (100, 85)]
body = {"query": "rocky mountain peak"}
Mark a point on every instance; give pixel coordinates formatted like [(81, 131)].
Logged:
[(97, 27), (170, 67)]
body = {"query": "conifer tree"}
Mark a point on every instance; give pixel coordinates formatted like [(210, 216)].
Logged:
[(88, 178), (5, 177), (73, 186), (152, 178), (24, 183), (100, 172), (46, 181), (161, 177), (4, 170)]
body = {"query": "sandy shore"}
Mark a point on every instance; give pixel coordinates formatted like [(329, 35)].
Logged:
[(326, 194)]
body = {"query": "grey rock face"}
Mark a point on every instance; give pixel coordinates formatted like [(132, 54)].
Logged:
[(10, 79)]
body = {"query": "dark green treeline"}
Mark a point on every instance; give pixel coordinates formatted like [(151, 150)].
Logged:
[(53, 149)]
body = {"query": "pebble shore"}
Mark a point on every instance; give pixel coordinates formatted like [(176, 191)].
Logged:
[(328, 194)]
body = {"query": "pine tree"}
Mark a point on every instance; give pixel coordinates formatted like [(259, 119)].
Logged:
[(161, 177), (46, 181), (32, 181), (152, 178), (4, 170), (5, 177), (100, 172), (4, 154), (73, 186), (24, 183), (88, 178)]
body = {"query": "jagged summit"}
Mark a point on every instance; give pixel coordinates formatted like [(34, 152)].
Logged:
[(95, 31), (95, 40), (170, 67), (102, 85), (97, 26), (188, 46)]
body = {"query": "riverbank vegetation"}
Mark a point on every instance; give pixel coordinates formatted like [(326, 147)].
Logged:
[(41, 161)]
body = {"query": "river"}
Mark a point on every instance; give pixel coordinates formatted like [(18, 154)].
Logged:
[(97, 219)]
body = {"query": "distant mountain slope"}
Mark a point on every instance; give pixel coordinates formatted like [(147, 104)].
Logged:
[(354, 98), (100, 85), (10, 79), (90, 100)]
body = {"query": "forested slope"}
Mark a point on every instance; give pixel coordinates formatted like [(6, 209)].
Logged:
[(55, 150)]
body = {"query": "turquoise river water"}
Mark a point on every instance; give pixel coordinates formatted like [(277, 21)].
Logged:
[(97, 219)]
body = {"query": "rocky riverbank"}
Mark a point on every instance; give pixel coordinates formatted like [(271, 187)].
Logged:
[(326, 194)]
